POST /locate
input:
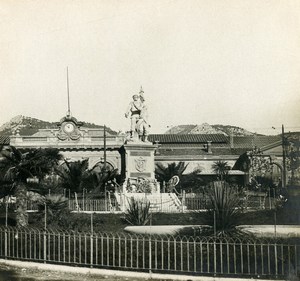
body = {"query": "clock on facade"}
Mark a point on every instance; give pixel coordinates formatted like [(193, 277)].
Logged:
[(68, 127)]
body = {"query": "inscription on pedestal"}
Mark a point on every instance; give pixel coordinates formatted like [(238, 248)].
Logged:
[(140, 153), (142, 175)]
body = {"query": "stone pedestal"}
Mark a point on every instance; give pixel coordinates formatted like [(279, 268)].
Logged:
[(138, 164), (138, 160)]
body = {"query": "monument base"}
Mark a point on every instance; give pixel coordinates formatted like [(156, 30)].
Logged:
[(138, 167)]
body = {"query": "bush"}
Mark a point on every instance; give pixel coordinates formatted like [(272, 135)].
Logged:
[(56, 208), (224, 208), (138, 212)]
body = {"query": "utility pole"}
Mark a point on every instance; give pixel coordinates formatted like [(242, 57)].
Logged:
[(69, 111), (104, 142), (283, 159)]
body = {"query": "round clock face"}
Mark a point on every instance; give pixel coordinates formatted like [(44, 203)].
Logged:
[(69, 127)]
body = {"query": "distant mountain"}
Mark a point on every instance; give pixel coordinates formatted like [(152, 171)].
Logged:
[(28, 126), (205, 128)]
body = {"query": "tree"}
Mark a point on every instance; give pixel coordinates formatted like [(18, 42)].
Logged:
[(221, 168), (165, 173), (99, 177), (73, 174), (17, 168)]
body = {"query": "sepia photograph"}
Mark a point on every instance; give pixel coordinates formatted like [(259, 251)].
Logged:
[(149, 140)]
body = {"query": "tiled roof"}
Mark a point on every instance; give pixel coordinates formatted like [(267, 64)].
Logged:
[(190, 138), (4, 140), (251, 141), (198, 140), (194, 151)]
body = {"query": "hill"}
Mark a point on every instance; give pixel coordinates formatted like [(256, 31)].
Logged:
[(28, 126), (205, 128)]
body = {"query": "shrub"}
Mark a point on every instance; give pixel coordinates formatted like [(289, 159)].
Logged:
[(56, 208), (138, 212), (224, 208)]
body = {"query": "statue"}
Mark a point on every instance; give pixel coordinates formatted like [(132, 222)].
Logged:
[(138, 113), (142, 125), (133, 111)]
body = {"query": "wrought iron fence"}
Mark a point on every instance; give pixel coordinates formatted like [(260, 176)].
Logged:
[(188, 203), (165, 254)]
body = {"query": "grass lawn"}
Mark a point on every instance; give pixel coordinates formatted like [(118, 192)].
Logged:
[(116, 223)]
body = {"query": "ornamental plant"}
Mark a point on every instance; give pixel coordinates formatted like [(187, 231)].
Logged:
[(138, 212), (224, 208)]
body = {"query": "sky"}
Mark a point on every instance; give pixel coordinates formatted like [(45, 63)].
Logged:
[(231, 62)]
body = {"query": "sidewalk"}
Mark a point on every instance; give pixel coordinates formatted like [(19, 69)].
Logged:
[(127, 275)]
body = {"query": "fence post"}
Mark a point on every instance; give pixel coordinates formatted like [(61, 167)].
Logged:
[(5, 243), (105, 200), (83, 203), (5, 234), (183, 200), (92, 230)]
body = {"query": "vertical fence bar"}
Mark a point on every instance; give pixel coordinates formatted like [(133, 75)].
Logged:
[(69, 247), (162, 253), (120, 251), (234, 257), (113, 250), (208, 257), (242, 259), (248, 258), (195, 255), (188, 255), (58, 242), (201, 257), (215, 256), (125, 251), (221, 256), (5, 242), (275, 260), (143, 252), (102, 249), (296, 261), (107, 249), (169, 254), (45, 246), (92, 249), (269, 262), (262, 258), (85, 247), (150, 253), (155, 253), (137, 252), (131, 252)]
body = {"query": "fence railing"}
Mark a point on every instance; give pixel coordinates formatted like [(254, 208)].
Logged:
[(194, 203), (164, 254)]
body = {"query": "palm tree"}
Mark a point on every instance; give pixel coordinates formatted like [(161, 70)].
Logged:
[(73, 174), (165, 173), (221, 168), (99, 177), (17, 168)]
